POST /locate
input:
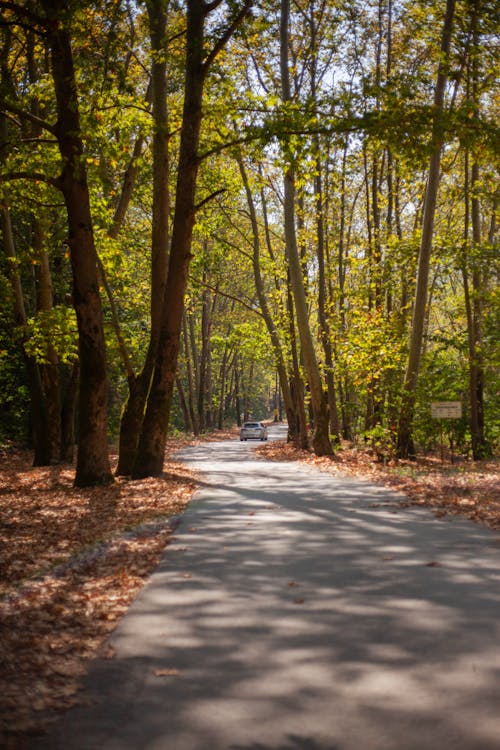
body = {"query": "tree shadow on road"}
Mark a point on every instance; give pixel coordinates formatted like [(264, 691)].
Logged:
[(292, 742)]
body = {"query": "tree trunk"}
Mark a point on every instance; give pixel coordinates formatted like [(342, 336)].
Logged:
[(188, 428), (474, 305), (323, 319), (68, 409), (320, 440), (204, 361), (151, 446), (322, 301), (190, 380), (139, 385), (297, 424), (237, 391), (223, 375), (405, 445), (92, 461), (50, 370)]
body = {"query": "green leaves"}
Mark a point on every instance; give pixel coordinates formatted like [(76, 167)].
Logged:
[(52, 333)]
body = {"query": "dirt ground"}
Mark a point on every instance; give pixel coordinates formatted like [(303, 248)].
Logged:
[(72, 560)]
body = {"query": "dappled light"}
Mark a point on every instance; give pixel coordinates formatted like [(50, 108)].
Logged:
[(293, 607)]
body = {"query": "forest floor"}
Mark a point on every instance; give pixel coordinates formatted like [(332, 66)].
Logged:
[(72, 560)]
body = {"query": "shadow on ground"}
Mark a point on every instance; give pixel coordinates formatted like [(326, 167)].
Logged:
[(298, 611)]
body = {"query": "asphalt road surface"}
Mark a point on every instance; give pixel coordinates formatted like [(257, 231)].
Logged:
[(299, 611)]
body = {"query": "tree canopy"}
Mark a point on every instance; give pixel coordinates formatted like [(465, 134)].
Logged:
[(220, 210)]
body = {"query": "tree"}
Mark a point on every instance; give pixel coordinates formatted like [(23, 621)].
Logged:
[(133, 413), (320, 439), (474, 282), (92, 460), (151, 446), (266, 312), (405, 443)]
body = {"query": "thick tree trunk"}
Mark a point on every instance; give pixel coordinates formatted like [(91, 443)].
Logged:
[(92, 460), (139, 386), (405, 445), (151, 447), (133, 415)]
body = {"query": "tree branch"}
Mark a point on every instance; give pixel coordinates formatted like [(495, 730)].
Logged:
[(227, 34), (6, 106), (209, 198), (34, 176), (209, 7), (225, 294)]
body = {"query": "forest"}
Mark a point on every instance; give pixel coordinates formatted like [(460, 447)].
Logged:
[(213, 211)]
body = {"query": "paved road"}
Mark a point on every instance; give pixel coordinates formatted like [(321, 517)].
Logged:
[(296, 611)]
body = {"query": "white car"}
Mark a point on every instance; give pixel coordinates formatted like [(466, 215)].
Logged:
[(253, 431)]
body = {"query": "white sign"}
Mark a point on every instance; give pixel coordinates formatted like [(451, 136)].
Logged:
[(446, 409)]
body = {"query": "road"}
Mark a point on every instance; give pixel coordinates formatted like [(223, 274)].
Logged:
[(299, 611)]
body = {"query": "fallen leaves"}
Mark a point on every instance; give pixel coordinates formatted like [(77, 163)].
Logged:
[(166, 672), (71, 562)]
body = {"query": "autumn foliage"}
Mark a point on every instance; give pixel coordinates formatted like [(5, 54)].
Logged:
[(71, 562)]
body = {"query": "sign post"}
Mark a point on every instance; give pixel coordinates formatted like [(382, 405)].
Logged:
[(446, 410)]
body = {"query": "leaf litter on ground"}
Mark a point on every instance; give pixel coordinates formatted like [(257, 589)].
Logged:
[(72, 560)]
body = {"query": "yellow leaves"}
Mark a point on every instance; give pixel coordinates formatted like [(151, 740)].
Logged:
[(372, 348)]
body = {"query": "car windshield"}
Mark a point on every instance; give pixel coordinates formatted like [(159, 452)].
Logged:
[(251, 424)]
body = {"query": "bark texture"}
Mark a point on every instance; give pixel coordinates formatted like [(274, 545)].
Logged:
[(92, 460)]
